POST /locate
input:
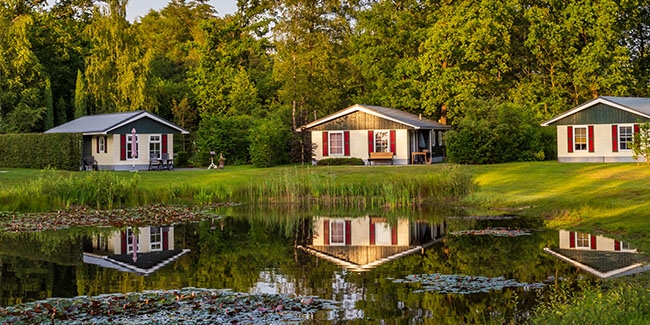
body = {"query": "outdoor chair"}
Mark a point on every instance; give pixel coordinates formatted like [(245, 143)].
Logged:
[(166, 162), (154, 162), (88, 163)]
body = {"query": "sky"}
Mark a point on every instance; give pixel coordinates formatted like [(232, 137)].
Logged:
[(139, 8)]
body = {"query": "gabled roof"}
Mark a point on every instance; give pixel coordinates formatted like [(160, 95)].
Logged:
[(146, 263), (105, 123), (634, 105), (605, 265), (391, 114)]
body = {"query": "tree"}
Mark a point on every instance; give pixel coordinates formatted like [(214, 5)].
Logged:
[(80, 97), (49, 105), (60, 112), (492, 132), (641, 143)]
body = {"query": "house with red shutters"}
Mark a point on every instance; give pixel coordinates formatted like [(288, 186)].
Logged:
[(364, 243), (601, 256), (123, 141), (142, 250), (600, 130), (360, 130)]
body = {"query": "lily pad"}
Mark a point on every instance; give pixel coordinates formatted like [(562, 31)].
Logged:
[(463, 284)]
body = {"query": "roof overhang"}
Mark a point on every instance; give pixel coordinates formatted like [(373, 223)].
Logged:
[(591, 103), (360, 108), (140, 116)]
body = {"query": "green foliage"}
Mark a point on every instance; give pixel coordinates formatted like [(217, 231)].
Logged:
[(641, 143), (340, 161), (624, 303), (182, 159), (227, 135), (492, 133), (30, 150), (269, 143)]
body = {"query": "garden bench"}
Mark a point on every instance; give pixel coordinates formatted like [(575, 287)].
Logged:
[(380, 156)]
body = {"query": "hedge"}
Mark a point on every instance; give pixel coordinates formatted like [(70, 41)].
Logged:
[(340, 161), (37, 150)]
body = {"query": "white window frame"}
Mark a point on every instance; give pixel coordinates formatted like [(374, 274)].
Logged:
[(101, 145), (329, 142), (129, 145), (155, 140), (575, 137), (623, 145), (334, 241), (155, 238), (379, 145), (583, 241)]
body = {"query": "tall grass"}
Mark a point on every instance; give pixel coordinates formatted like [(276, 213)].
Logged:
[(451, 183)]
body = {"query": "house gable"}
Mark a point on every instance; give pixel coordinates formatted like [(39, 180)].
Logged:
[(143, 125), (600, 113), (359, 120)]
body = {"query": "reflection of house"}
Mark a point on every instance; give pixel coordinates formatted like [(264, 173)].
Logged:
[(361, 129), (600, 130), (361, 244), (109, 139), (142, 253), (601, 256)]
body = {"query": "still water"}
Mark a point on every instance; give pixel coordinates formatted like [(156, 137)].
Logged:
[(415, 266)]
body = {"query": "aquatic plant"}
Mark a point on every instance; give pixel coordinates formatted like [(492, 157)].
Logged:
[(463, 284)]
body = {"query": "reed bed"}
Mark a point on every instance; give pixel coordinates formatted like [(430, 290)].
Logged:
[(54, 190)]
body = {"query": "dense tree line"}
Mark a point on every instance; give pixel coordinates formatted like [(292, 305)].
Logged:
[(274, 64)]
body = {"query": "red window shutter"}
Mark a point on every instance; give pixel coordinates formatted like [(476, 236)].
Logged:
[(371, 141), (392, 142), (325, 143), (165, 238), (593, 242), (636, 128), (97, 144), (572, 239), (614, 138), (372, 232), (105, 144), (348, 232), (346, 143), (570, 138), (393, 235), (164, 143), (326, 232), (617, 245), (590, 141), (123, 242), (122, 147)]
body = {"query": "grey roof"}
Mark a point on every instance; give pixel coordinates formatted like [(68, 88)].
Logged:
[(104, 123), (635, 105), (384, 112), (639, 104)]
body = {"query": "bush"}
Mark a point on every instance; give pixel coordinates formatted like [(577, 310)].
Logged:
[(340, 161), (269, 143), (182, 159), (492, 133), (36, 150), (227, 135)]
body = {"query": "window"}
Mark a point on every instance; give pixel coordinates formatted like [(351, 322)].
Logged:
[(101, 145), (337, 232), (155, 238), (154, 145), (625, 137), (130, 153), (582, 240), (382, 141), (336, 143), (580, 138)]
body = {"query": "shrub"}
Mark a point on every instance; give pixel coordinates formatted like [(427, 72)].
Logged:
[(340, 161), (495, 133), (269, 143), (228, 135), (182, 159), (35, 150)]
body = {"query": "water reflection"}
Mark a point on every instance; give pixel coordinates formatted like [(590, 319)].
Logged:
[(599, 255), (364, 243), (142, 250), (291, 252)]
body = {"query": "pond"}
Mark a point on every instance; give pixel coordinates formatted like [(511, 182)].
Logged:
[(419, 266)]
